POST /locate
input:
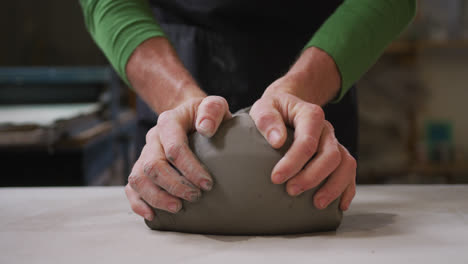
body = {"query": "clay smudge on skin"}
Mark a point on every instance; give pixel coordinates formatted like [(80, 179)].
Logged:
[(192, 196), (187, 183)]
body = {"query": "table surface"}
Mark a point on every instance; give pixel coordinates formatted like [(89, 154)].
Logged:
[(386, 224), (45, 114)]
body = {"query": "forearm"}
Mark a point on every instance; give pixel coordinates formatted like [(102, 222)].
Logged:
[(159, 77), (353, 37), (118, 27), (314, 78), (136, 46)]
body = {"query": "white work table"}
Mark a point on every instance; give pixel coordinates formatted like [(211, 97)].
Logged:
[(386, 224)]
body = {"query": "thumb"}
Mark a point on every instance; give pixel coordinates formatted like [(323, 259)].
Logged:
[(269, 121), (211, 112)]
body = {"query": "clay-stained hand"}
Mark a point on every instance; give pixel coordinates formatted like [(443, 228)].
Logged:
[(153, 181), (313, 136)]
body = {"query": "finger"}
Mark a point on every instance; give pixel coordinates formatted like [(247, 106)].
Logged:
[(174, 142), (308, 123), (327, 159), (338, 181), (161, 173), (348, 196), (138, 205), (152, 194), (269, 122), (211, 112)]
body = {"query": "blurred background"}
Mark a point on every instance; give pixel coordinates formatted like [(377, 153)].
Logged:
[(66, 119)]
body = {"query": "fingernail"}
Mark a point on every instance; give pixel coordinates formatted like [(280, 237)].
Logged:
[(192, 196), (274, 136), (173, 207), (207, 126), (322, 202), (206, 185), (295, 190), (149, 217)]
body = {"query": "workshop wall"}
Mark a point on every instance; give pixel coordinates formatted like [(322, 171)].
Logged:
[(47, 32), (445, 74), (413, 123), (52, 70)]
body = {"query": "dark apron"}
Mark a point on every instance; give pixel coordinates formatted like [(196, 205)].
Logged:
[(238, 61)]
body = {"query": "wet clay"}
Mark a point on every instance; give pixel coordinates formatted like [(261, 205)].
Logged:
[(243, 200)]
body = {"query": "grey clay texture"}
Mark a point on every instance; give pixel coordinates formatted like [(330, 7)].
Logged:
[(243, 200)]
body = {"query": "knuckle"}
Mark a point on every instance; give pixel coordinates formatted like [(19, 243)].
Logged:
[(151, 134), (128, 189), (164, 117), (265, 119), (135, 181), (254, 107), (309, 145), (174, 151), (152, 168), (329, 125), (219, 99), (335, 156), (216, 104), (351, 161), (260, 104), (316, 112), (275, 97)]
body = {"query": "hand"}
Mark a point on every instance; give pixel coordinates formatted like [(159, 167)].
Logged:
[(153, 181), (313, 136)]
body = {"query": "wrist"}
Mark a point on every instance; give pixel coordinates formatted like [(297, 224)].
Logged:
[(313, 78), (159, 77), (184, 91)]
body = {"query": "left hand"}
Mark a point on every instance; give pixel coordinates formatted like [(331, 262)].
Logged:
[(313, 136)]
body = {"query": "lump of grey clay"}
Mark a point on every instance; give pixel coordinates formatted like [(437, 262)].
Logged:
[(243, 200)]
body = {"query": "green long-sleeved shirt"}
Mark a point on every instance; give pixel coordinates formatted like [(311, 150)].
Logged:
[(355, 35)]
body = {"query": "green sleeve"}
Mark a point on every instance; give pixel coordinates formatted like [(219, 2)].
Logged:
[(358, 32), (118, 27)]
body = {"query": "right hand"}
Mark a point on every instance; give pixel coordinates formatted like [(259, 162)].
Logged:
[(153, 182)]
